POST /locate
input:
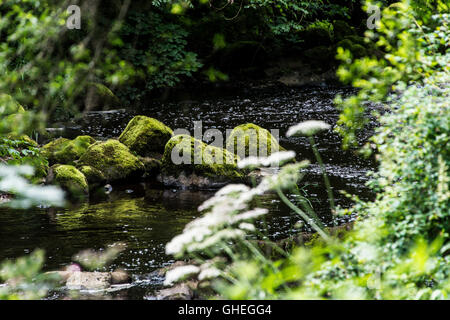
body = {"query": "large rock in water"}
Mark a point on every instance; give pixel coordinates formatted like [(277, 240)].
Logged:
[(146, 136), (251, 140), (114, 160), (65, 151), (93, 280), (190, 163), (69, 179)]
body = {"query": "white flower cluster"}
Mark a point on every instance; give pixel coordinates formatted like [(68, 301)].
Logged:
[(26, 194), (226, 210), (180, 273), (308, 128), (204, 272), (275, 159)]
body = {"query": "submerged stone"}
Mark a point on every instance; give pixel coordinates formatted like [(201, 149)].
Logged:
[(114, 160), (145, 136), (188, 162), (69, 179), (251, 140)]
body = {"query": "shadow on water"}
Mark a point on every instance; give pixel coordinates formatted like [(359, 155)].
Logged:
[(146, 216)]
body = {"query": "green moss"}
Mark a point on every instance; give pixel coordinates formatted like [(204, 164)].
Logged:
[(73, 150), (345, 44), (359, 51), (341, 29), (102, 97), (50, 148), (205, 160), (113, 159), (70, 179), (65, 151), (357, 40), (145, 136), (93, 175), (252, 138), (317, 36)]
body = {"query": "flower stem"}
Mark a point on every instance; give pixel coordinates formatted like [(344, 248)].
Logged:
[(324, 174)]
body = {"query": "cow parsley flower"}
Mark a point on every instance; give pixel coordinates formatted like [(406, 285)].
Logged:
[(275, 159), (308, 128), (180, 273)]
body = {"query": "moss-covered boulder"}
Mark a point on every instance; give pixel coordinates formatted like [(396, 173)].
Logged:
[(146, 136), (65, 151), (69, 179), (113, 159), (251, 140), (74, 149), (341, 29), (100, 97), (188, 162), (52, 147), (316, 36), (94, 176)]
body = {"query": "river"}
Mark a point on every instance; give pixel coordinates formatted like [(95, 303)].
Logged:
[(146, 216)]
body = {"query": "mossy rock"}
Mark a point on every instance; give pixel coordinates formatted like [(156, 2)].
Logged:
[(341, 29), (65, 151), (101, 97), (145, 136), (73, 150), (251, 139), (69, 179), (152, 166), (93, 175), (113, 159), (357, 40), (52, 147), (196, 157), (9, 106), (316, 37)]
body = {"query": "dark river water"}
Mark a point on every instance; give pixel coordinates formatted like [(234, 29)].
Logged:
[(146, 216)]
